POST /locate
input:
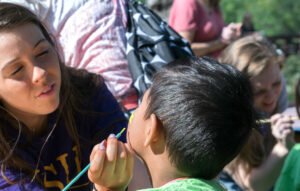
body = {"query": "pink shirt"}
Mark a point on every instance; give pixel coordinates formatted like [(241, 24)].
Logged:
[(186, 15)]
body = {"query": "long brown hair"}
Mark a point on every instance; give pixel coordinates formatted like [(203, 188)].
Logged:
[(13, 16)]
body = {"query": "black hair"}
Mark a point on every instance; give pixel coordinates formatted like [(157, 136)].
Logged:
[(206, 112)]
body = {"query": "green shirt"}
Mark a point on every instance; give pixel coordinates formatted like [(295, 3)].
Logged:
[(289, 178), (189, 184)]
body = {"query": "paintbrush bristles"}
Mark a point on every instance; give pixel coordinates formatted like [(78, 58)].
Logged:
[(263, 121)]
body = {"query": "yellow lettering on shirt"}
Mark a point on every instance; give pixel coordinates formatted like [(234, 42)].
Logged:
[(63, 161), (55, 183), (75, 149)]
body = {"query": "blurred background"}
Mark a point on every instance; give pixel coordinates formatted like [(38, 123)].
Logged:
[(276, 19), (279, 21)]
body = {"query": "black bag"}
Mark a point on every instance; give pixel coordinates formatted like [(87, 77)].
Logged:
[(151, 44)]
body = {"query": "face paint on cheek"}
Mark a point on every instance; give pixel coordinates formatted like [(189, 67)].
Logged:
[(127, 135), (129, 142), (131, 117)]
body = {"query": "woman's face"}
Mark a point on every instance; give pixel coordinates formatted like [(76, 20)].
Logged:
[(267, 87), (30, 77)]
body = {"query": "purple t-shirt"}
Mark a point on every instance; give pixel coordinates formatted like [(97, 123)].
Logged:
[(60, 161)]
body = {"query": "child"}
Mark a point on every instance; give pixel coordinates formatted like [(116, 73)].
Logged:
[(193, 120)]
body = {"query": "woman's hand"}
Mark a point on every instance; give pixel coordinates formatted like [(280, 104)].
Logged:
[(231, 32), (282, 130), (111, 165)]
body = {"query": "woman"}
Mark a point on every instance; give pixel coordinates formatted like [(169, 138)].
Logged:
[(91, 35), (259, 164), (51, 116), (202, 24)]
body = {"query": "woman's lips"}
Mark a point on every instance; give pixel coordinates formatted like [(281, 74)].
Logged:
[(47, 91)]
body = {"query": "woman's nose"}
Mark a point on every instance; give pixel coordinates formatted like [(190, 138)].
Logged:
[(38, 74), (271, 94)]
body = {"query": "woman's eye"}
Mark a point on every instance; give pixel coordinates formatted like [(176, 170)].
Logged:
[(259, 92), (42, 53), (17, 70)]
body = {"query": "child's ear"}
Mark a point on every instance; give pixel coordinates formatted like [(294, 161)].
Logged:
[(153, 130)]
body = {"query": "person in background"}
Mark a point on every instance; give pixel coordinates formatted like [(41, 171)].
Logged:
[(161, 7), (51, 115), (192, 121), (201, 23), (259, 164), (247, 25)]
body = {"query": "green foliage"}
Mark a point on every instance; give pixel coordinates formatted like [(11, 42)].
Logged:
[(272, 17), (291, 71)]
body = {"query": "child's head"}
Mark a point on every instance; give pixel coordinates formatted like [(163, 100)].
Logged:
[(201, 111), (256, 57)]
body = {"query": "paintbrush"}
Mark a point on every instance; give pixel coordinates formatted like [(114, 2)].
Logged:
[(87, 167), (263, 121)]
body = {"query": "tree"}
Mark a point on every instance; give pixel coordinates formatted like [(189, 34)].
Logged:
[(272, 17)]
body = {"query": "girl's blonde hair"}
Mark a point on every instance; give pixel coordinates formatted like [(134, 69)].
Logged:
[(251, 54)]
